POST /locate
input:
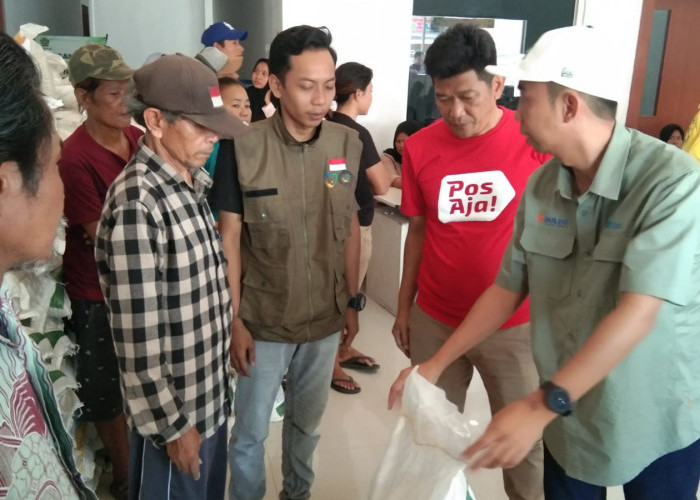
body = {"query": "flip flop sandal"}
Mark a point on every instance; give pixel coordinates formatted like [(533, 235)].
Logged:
[(341, 389), (359, 363)]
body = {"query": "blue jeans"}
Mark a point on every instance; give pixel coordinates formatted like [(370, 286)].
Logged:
[(673, 476), (309, 367), (152, 476)]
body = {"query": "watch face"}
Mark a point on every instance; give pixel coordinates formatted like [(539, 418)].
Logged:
[(361, 301), (558, 400), (357, 302)]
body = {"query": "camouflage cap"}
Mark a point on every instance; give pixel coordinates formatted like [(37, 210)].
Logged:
[(97, 61)]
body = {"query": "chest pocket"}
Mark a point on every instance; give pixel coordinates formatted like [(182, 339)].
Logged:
[(342, 208), (265, 220), (611, 247), (549, 252), (608, 256)]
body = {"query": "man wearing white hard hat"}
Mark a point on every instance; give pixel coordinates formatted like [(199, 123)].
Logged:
[(606, 244)]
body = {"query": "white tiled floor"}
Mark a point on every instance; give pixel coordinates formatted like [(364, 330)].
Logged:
[(356, 428)]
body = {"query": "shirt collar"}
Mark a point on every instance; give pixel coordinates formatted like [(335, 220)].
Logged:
[(608, 178), (287, 138), (201, 182)]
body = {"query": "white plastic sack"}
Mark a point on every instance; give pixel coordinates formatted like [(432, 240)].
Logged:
[(423, 459), (57, 89)]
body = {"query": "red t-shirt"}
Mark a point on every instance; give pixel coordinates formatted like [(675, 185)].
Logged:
[(87, 170), (468, 191)]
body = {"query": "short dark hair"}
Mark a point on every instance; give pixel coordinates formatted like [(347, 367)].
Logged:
[(295, 40), (89, 85), (349, 78), (26, 124), (225, 81), (668, 130), (463, 47), (602, 108)]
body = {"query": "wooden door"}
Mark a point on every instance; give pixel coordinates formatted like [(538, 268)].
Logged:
[(679, 83)]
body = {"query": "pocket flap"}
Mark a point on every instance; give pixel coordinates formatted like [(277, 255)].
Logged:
[(611, 246), (553, 242)]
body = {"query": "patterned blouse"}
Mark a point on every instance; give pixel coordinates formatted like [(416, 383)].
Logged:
[(36, 457)]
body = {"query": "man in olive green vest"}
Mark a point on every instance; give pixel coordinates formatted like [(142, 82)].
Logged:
[(288, 220)]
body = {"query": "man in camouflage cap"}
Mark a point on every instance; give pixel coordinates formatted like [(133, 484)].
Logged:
[(92, 157), (97, 61)]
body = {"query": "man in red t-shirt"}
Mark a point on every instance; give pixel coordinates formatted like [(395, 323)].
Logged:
[(92, 157), (462, 179)]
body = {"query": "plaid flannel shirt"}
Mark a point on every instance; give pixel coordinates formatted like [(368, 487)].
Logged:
[(162, 271)]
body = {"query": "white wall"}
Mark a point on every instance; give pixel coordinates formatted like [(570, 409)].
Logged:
[(62, 17), (621, 20), (376, 33), (138, 28)]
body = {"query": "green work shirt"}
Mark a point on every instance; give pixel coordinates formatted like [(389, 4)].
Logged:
[(637, 229)]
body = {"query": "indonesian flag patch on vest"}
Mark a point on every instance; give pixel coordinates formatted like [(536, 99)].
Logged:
[(215, 95), (336, 164)]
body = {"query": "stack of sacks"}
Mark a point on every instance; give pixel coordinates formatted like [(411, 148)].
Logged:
[(55, 85)]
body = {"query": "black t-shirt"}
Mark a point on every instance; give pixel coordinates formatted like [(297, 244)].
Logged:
[(225, 193), (369, 158), (257, 102)]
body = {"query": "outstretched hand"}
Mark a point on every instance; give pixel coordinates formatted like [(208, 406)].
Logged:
[(511, 434), (426, 370)]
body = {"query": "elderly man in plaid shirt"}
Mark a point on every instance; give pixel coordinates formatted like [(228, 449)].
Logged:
[(162, 271)]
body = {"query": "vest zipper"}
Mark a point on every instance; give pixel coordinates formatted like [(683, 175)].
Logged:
[(306, 240)]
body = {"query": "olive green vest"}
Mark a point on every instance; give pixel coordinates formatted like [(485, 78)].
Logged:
[(298, 200)]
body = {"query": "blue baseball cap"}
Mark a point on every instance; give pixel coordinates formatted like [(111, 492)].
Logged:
[(222, 31)]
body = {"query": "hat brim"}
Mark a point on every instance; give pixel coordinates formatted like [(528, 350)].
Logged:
[(516, 73), (237, 35), (119, 73), (222, 122)]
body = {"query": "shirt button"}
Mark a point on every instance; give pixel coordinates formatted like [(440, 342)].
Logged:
[(263, 216)]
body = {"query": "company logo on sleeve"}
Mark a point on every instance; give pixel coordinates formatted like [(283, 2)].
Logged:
[(480, 196)]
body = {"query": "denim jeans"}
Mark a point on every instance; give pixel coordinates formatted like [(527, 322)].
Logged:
[(309, 367), (673, 476)]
